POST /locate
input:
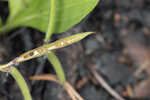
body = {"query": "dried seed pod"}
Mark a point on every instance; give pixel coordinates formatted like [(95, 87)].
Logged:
[(48, 47), (37, 52)]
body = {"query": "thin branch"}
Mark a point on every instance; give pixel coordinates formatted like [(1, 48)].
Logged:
[(105, 85), (70, 90)]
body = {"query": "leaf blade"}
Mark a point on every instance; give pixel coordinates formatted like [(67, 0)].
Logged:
[(21, 83), (52, 58), (68, 13)]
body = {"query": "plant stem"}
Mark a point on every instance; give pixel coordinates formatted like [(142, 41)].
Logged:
[(57, 66), (51, 56), (51, 21), (22, 83)]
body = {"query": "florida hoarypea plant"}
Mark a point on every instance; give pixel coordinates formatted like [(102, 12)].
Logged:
[(50, 17)]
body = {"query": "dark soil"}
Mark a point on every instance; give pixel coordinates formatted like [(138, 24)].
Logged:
[(118, 49)]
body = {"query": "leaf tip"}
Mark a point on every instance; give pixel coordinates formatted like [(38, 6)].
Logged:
[(88, 33)]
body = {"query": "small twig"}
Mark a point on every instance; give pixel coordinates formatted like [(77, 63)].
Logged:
[(102, 82), (70, 90), (105, 85)]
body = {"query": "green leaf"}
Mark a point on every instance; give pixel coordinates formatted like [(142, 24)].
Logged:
[(14, 10), (21, 82), (35, 14), (57, 66)]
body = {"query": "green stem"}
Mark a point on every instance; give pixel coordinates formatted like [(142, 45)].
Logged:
[(51, 56), (51, 21), (57, 66), (21, 82)]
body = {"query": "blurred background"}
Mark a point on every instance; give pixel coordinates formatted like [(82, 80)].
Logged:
[(119, 52)]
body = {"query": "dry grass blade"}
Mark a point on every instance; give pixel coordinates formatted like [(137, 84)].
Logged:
[(105, 85), (70, 90), (101, 81)]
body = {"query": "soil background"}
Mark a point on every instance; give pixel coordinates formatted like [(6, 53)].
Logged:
[(119, 51)]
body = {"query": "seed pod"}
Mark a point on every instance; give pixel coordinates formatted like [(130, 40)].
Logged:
[(37, 52)]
